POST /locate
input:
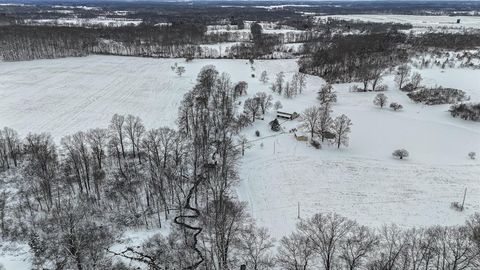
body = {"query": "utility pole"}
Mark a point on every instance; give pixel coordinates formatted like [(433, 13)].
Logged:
[(464, 195), (298, 211)]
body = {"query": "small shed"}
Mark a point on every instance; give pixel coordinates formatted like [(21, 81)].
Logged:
[(286, 115)]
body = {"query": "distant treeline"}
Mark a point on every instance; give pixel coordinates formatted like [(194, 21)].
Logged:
[(337, 57), (22, 42), (34, 42)]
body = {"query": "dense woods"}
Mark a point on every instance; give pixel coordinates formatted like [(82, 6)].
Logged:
[(355, 57), (36, 42)]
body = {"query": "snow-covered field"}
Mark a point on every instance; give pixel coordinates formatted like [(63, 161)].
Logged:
[(417, 21), (265, 31), (362, 181), (100, 21), (63, 96)]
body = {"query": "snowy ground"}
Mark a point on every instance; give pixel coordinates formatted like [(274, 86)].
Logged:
[(417, 21), (265, 31), (362, 181), (100, 21), (63, 96), (14, 256)]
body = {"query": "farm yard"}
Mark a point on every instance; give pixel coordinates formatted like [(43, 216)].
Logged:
[(362, 181)]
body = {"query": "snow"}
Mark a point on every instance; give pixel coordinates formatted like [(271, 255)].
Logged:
[(77, 7), (265, 31), (63, 96), (14, 256), (417, 21), (103, 21), (362, 181), (272, 7)]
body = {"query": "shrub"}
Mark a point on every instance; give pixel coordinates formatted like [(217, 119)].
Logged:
[(472, 155), (440, 95), (315, 144), (381, 88), (278, 105), (456, 206), (408, 87), (400, 153), (395, 106), (275, 125), (257, 133), (466, 111), (356, 88)]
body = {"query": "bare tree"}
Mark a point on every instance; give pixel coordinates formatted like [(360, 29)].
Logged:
[(359, 243), (295, 252), (326, 95), (377, 77), (288, 90), (278, 84), (42, 161), (310, 118), (72, 239), (420, 248), (301, 81), (326, 232), (341, 128), (366, 76), (12, 144), (79, 142), (264, 77), (240, 89), (251, 107), (278, 105), (222, 223), (400, 153), (3, 205), (180, 70), (264, 100), (326, 121), (117, 130), (416, 80), (402, 74), (380, 100), (134, 131), (255, 246), (457, 250), (392, 245), (243, 141), (98, 140)]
